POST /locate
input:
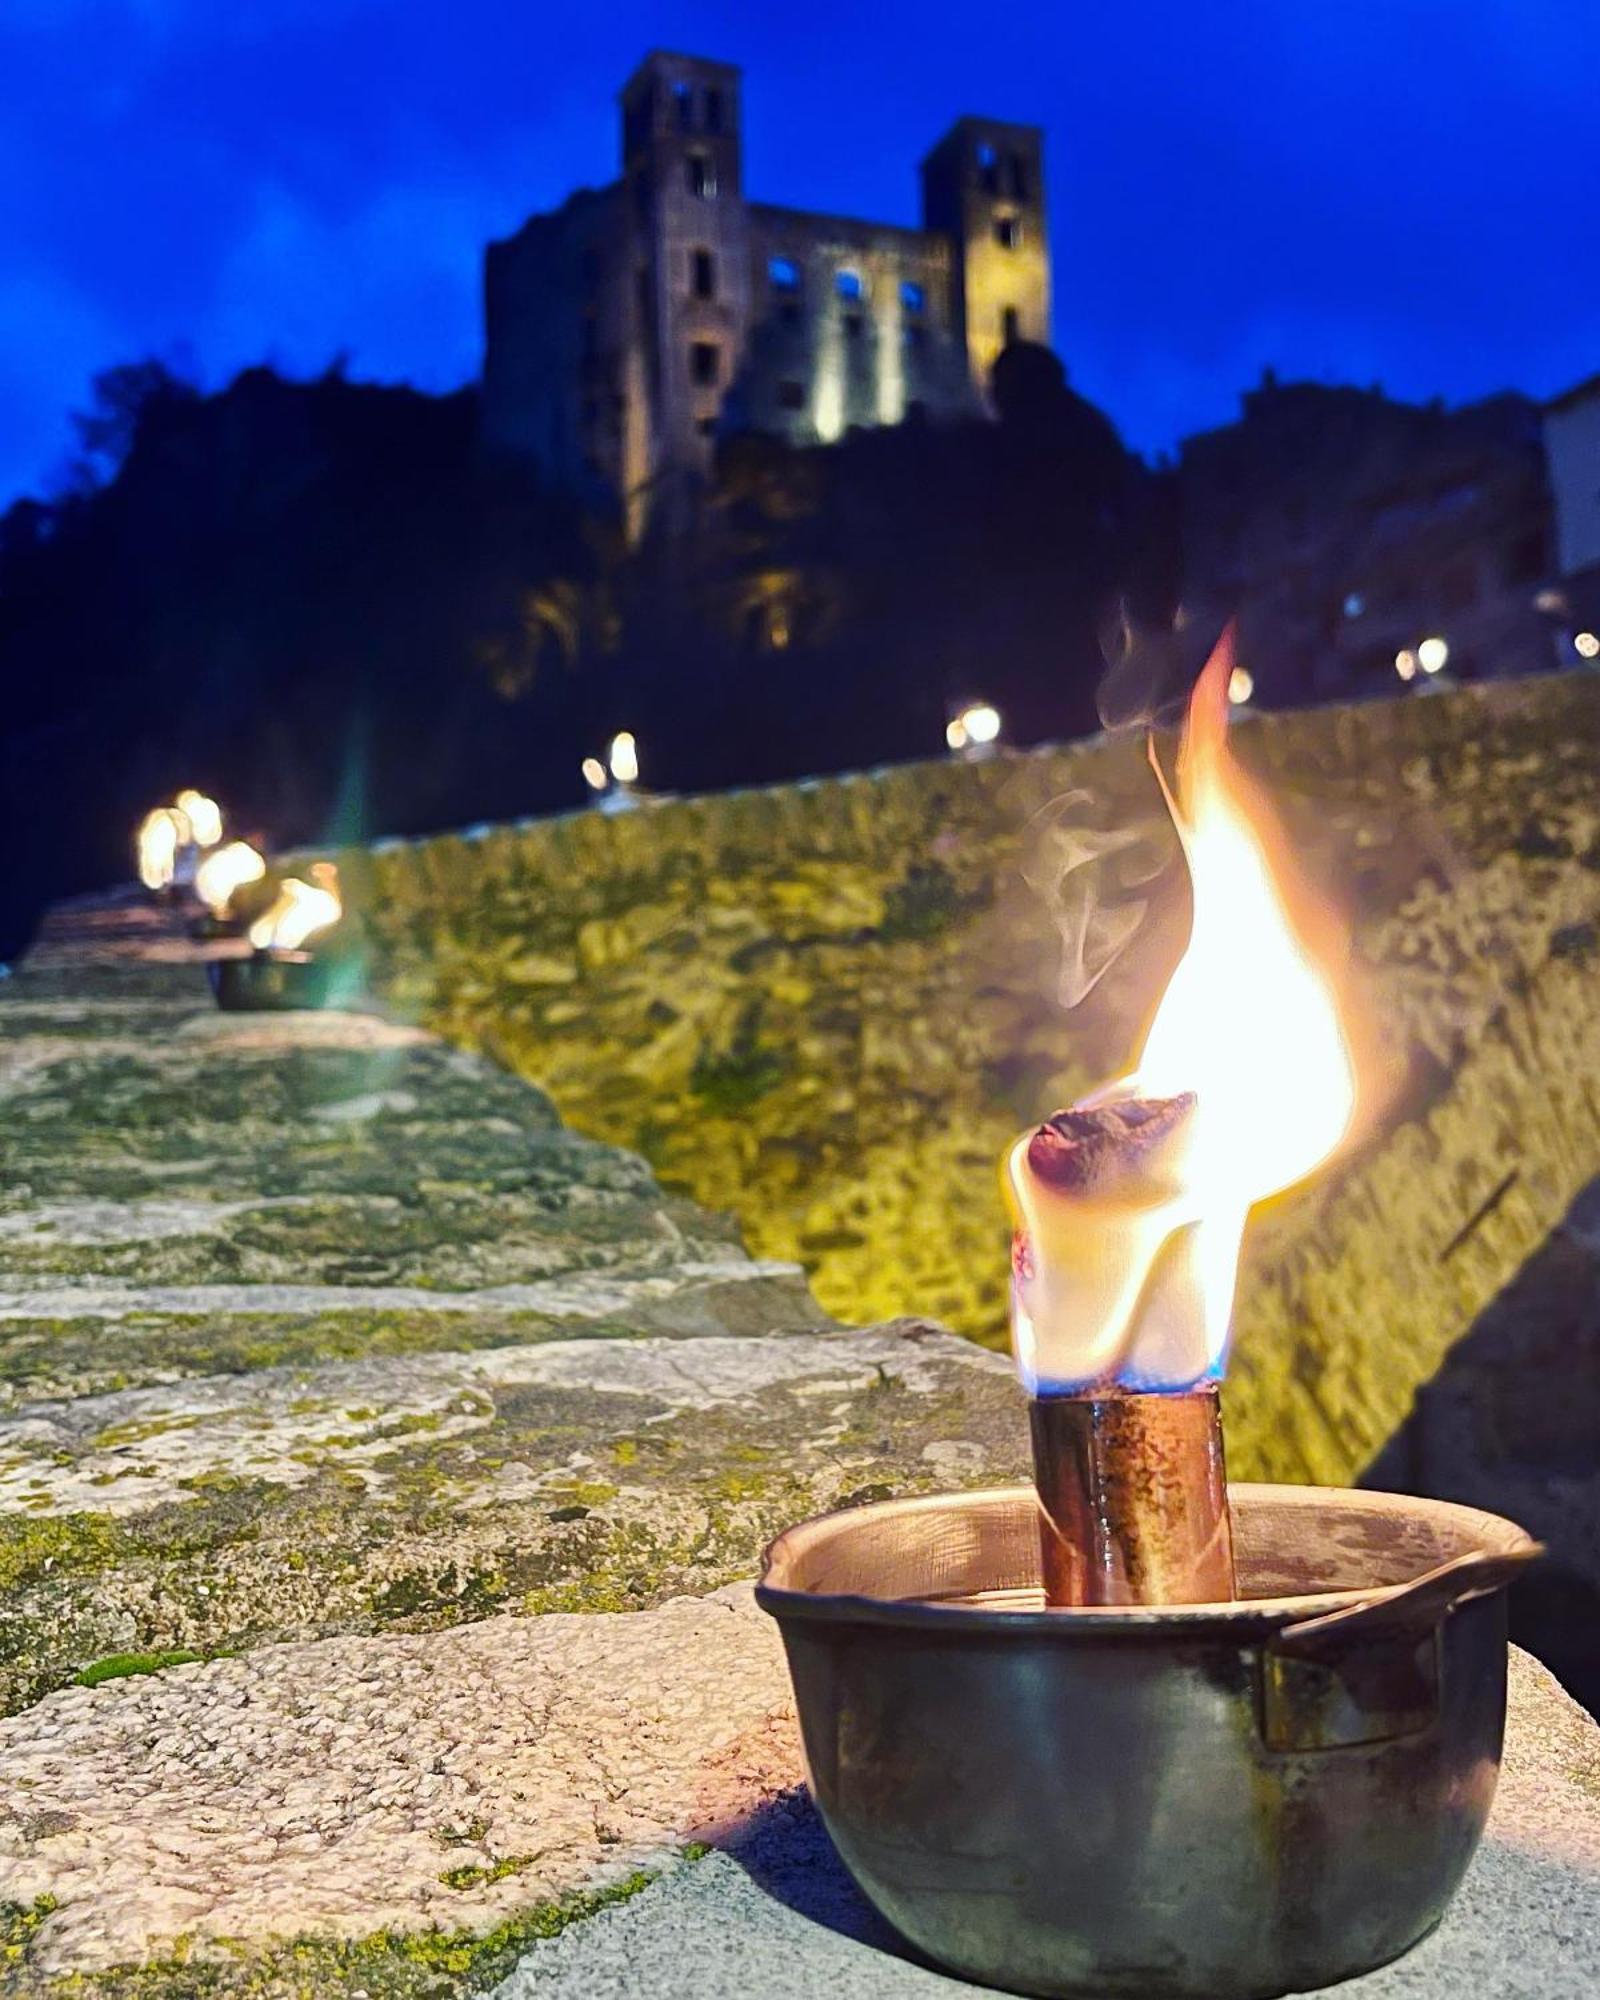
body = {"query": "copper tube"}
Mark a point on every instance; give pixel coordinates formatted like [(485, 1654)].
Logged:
[(1133, 1498)]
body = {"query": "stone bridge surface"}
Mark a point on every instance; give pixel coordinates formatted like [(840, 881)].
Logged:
[(382, 1468)]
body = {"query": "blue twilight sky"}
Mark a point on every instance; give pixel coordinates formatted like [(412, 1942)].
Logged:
[(1404, 191)]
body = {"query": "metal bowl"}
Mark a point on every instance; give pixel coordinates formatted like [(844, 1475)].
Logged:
[(272, 982), (1196, 1802)]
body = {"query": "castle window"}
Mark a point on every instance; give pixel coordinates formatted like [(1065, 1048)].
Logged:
[(1017, 174), (704, 360), (1009, 325), (702, 175), (707, 427), (703, 274), (683, 97), (713, 110), (913, 297), (989, 169), (784, 274), (790, 314), (916, 337), (848, 283), (854, 324), (1007, 231), (791, 395)]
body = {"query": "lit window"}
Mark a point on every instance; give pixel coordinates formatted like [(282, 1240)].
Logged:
[(784, 274), (791, 395), (704, 274), (683, 97), (1007, 231), (704, 362), (847, 283), (912, 297), (1009, 325), (702, 175)]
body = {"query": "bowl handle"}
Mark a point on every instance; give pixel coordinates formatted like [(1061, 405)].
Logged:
[(1411, 1610), (1369, 1674)]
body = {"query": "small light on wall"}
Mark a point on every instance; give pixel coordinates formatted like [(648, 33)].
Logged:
[(974, 731), (1241, 685), (623, 757), (1431, 655), (1587, 644), (1405, 664), (594, 774)]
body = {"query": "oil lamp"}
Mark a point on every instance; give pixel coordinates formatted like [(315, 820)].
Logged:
[(221, 874), (281, 973), (162, 834), (1125, 1729)]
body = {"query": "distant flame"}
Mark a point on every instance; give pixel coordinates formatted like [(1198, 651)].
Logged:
[(204, 816), (300, 910), (161, 834), (1250, 1025), (224, 870)]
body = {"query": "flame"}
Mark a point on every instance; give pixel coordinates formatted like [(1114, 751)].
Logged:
[(300, 910), (161, 834), (204, 816), (1252, 1025), (224, 870)]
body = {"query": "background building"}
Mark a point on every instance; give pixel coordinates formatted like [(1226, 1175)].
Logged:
[(1344, 529), (1572, 446), (628, 327)]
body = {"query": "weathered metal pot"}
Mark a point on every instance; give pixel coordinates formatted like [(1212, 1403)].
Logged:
[(1197, 1802), (272, 982)]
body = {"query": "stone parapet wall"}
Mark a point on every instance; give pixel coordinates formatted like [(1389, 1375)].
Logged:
[(827, 1007)]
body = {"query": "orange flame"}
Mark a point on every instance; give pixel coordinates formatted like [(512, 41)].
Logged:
[(225, 869), (161, 834), (1253, 1027), (300, 910), (203, 815)]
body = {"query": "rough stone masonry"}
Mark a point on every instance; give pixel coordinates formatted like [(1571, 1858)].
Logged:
[(381, 1466)]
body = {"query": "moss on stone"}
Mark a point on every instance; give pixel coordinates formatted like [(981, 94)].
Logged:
[(119, 1666), (389, 1965)]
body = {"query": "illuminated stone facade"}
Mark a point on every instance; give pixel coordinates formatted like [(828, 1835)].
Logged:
[(628, 328)]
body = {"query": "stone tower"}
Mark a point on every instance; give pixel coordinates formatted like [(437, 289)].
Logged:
[(683, 180), (983, 188)]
